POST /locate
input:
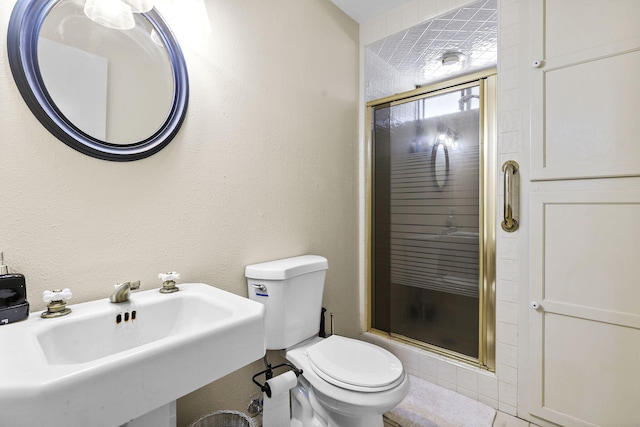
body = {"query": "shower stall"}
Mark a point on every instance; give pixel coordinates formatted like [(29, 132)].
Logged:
[(432, 232)]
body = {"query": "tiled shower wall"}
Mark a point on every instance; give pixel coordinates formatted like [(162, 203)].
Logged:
[(499, 390)]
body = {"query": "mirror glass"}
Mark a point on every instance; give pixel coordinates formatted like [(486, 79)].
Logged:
[(113, 94), (440, 164), (116, 86)]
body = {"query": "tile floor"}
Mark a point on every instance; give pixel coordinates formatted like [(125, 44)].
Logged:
[(501, 420), (506, 420)]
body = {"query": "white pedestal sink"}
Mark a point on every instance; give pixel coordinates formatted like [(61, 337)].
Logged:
[(105, 364)]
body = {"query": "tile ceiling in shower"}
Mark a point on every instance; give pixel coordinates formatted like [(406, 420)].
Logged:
[(416, 54)]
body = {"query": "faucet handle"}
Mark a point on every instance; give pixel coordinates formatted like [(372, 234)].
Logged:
[(172, 275), (57, 306), (57, 295), (169, 282)]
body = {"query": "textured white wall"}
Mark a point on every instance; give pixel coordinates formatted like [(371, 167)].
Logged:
[(265, 166)]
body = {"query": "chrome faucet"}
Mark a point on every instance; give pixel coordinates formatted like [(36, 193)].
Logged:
[(123, 291)]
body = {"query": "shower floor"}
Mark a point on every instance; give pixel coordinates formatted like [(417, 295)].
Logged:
[(442, 319)]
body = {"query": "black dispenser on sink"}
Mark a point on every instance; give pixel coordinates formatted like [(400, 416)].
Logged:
[(13, 296)]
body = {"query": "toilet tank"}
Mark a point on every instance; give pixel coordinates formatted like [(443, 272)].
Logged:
[(291, 290)]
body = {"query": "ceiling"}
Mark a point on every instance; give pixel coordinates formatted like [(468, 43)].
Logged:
[(413, 57), (363, 10)]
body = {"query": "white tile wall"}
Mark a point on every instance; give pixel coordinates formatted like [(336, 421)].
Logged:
[(507, 243), (488, 389), (499, 390), (475, 383)]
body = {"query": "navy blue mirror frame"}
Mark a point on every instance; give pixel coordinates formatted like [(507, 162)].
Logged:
[(22, 48)]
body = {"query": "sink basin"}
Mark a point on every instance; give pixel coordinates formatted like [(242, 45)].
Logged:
[(106, 364), (83, 339)]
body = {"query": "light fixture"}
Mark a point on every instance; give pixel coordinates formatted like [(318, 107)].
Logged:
[(116, 14), (139, 6), (110, 13), (447, 136), (452, 58)]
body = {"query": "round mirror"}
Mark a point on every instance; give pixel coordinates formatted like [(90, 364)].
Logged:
[(112, 94), (440, 165)]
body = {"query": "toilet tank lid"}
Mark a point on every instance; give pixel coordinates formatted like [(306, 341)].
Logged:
[(287, 268)]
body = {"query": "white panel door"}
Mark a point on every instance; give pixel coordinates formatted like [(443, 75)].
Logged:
[(584, 321), (584, 229), (585, 59)]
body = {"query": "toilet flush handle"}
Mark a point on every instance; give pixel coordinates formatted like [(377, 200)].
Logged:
[(259, 287)]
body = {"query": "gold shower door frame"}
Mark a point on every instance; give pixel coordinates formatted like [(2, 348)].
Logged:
[(487, 82)]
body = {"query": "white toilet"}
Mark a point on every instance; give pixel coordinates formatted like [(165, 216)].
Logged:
[(345, 382)]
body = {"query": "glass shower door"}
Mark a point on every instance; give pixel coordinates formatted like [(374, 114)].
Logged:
[(426, 219)]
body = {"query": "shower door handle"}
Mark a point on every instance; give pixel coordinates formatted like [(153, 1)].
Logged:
[(509, 168)]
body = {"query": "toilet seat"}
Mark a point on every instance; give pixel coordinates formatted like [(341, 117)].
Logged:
[(345, 399), (355, 365)]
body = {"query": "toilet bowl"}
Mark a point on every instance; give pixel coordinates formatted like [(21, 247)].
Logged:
[(351, 383), (344, 382)]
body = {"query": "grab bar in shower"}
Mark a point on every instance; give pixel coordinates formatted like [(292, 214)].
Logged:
[(509, 169)]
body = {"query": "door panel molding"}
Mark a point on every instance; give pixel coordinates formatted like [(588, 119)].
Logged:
[(582, 354), (579, 92)]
